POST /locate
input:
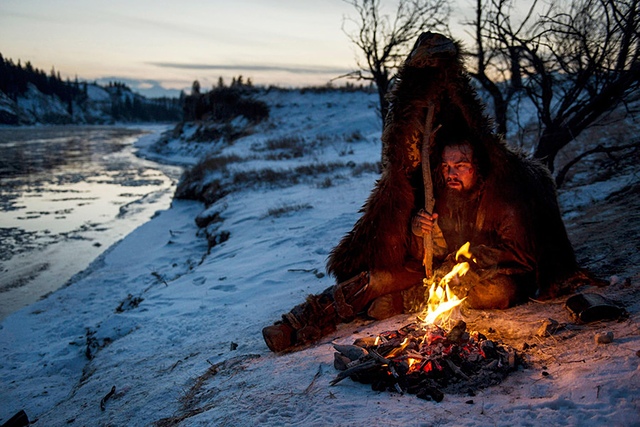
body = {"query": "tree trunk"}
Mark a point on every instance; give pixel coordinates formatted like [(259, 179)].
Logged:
[(552, 140), (382, 82), (500, 110)]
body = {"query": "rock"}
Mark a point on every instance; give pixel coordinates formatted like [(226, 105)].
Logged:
[(604, 338)]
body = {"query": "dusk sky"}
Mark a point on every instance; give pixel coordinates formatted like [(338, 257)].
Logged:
[(147, 43)]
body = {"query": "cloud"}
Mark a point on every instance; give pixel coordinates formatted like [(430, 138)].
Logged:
[(295, 69)]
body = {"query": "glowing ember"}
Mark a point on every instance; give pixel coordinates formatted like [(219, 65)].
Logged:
[(441, 299), (425, 360)]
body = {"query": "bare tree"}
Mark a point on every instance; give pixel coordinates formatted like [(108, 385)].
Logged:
[(385, 40), (497, 65), (575, 60)]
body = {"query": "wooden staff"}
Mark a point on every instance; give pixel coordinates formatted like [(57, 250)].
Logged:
[(429, 200)]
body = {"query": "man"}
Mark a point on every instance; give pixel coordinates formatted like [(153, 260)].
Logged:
[(500, 277), (503, 270), (503, 203)]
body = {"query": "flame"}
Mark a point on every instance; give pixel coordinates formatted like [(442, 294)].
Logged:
[(441, 299), (397, 350), (413, 363), (464, 251)]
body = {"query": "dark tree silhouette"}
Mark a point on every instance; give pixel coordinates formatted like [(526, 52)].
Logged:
[(575, 61)]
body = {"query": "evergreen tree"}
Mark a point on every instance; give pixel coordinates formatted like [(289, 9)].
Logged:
[(195, 88)]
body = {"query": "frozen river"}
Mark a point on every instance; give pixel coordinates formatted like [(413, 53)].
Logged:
[(67, 193)]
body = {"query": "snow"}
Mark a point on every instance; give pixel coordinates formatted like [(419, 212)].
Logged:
[(191, 352), (97, 93), (587, 194)]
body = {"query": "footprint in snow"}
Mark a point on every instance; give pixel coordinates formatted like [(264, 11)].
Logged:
[(199, 280), (224, 288)]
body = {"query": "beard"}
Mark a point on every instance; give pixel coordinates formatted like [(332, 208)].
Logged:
[(458, 198)]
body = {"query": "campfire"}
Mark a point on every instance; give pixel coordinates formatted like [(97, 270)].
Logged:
[(433, 355)]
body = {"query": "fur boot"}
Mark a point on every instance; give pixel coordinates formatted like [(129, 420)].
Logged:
[(318, 315)]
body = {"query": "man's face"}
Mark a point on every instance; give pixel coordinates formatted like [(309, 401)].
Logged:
[(457, 167)]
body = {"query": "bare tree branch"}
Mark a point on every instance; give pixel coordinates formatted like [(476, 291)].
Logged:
[(562, 174), (384, 40)]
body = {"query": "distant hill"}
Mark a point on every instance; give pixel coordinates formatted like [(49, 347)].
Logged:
[(30, 96)]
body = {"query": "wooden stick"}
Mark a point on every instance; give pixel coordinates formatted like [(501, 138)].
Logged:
[(103, 402), (429, 200)]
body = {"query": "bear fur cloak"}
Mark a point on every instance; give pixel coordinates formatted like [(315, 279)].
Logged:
[(433, 74)]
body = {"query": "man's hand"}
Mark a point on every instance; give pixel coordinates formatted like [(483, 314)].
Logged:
[(423, 223)]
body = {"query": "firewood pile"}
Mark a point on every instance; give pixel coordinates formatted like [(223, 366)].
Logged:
[(426, 360)]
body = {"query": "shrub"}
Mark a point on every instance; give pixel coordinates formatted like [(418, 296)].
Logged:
[(223, 104), (286, 147), (285, 209)]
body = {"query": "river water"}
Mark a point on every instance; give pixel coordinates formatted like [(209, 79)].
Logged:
[(67, 193)]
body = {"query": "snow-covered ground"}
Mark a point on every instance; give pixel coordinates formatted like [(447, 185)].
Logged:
[(175, 330)]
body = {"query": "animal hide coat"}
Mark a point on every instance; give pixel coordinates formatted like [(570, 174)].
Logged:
[(434, 74)]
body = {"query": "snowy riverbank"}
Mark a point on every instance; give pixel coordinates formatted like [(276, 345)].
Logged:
[(177, 331)]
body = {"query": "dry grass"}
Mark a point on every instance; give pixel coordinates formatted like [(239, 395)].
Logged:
[(286, 209), (192, 399)]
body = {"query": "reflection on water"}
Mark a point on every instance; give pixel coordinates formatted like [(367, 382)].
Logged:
[(66, 194), (26, 152)]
